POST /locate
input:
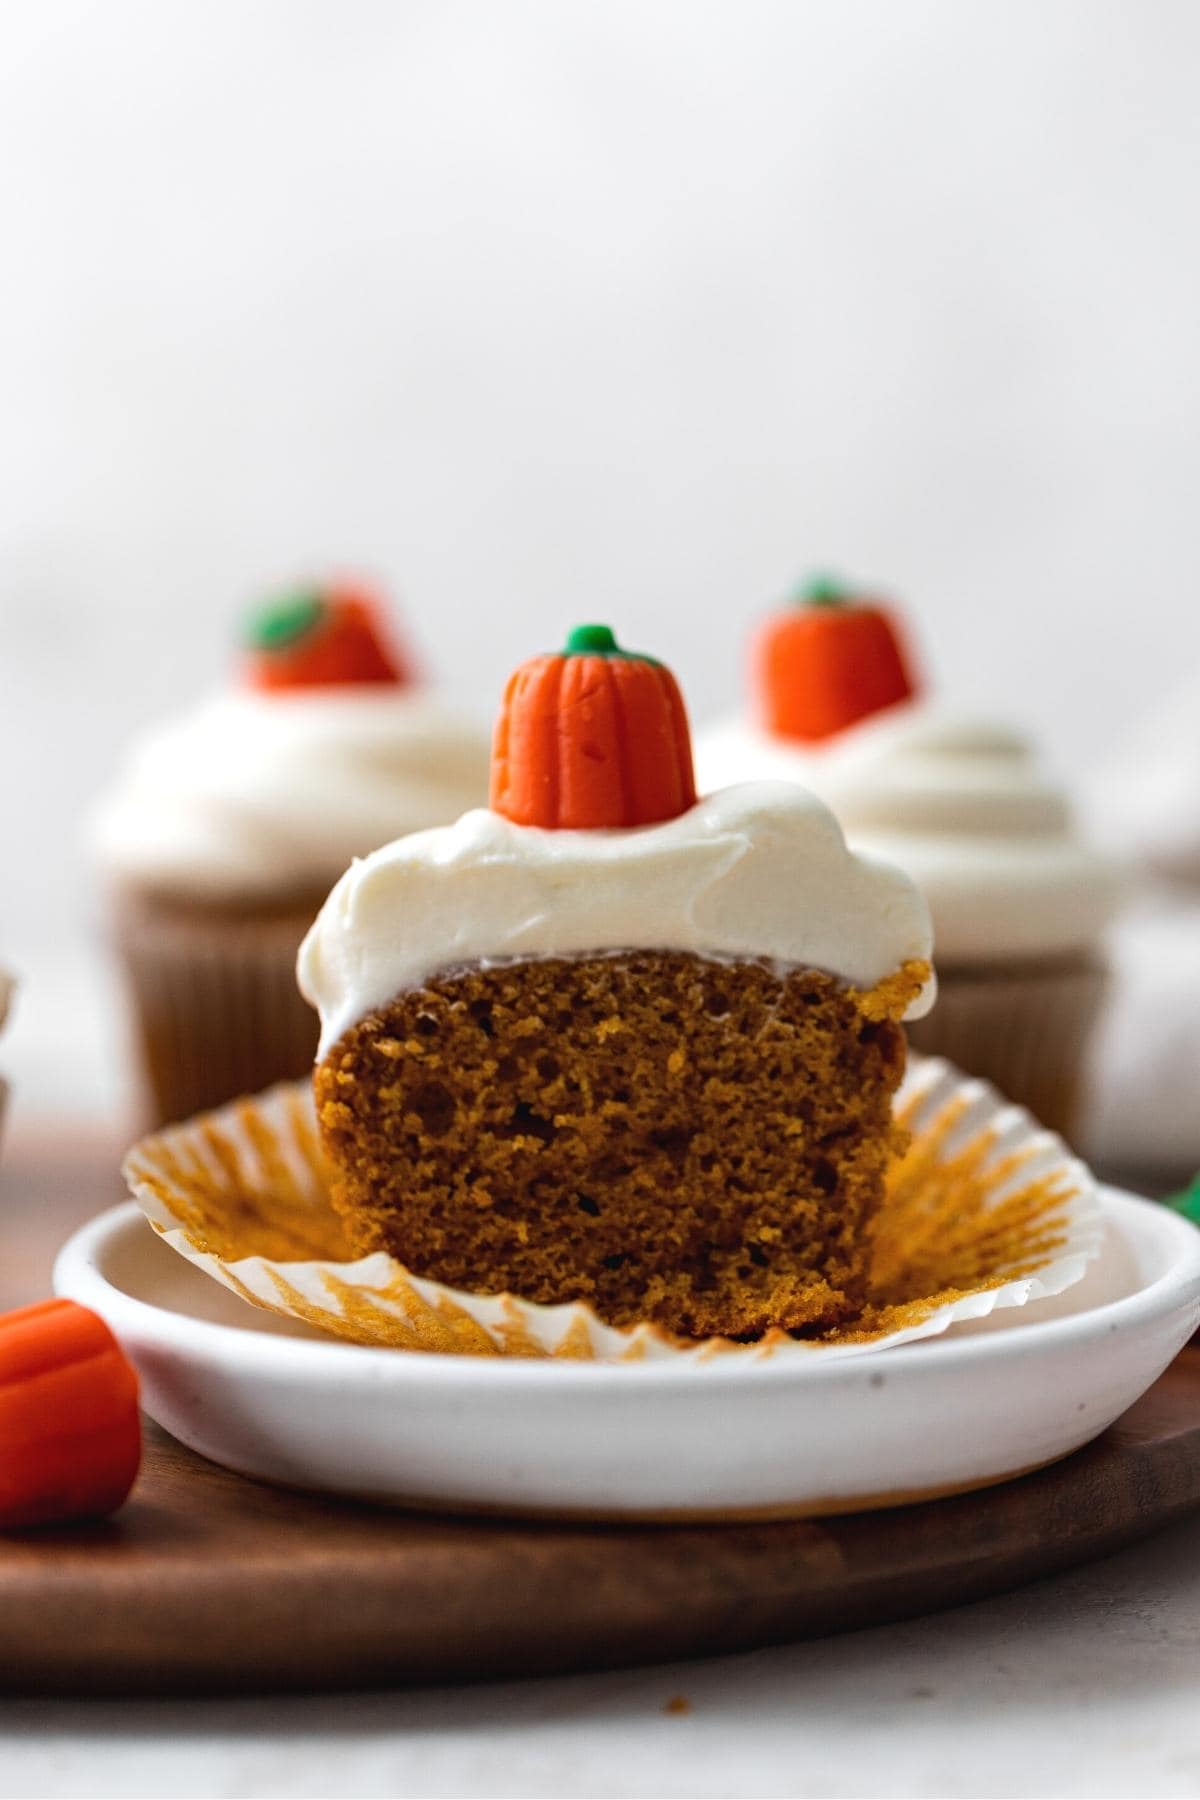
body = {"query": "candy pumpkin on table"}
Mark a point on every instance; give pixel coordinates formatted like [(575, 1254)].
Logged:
[(70, 1431)]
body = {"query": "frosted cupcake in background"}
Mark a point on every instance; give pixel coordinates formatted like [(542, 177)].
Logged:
[(6, 993), (1143, 804), (1019, 902), (227, 826)]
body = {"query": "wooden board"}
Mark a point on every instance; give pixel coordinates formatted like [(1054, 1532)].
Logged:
[(210, 1583), (207, 1582)]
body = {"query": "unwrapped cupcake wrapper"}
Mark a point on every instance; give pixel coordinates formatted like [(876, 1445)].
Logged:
[(216, 1007), (1024, 1029), (985, 1210)]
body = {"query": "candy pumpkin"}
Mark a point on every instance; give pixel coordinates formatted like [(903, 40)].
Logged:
[(331, 637), (828, 661), (70, 1432), (592, 737)]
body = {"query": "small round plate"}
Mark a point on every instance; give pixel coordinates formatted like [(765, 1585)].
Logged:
[(733, 1438)]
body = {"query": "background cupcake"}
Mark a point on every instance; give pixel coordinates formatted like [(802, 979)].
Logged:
[(1019, 903), (1143, 805), (227, 827), (6, 992)]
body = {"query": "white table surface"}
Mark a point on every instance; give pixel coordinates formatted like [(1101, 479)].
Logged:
[(1084, 1685)]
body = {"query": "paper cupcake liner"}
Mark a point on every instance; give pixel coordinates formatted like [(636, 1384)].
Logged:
[(985, 1210), (1023, 1029), (216, 1008)]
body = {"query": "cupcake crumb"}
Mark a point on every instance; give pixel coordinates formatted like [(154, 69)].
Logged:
[(691, 1097), (678, 1703)]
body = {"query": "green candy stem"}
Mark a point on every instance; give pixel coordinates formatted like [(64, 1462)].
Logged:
[(599, 640), (1188, 1203), (284, 622), (592, 640), (823, 590)]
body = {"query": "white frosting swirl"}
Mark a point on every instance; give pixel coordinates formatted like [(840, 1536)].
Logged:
[(963, 807), (754, 871), (264, 794)]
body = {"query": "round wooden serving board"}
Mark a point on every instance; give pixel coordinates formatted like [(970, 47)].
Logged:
[(210, 1583)]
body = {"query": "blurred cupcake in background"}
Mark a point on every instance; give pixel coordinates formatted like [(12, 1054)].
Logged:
[(1019, 902), (6, 993), (1143, 804), (227, 826)]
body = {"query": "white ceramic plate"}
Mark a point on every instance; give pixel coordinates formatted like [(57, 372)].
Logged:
[(271, 1398)]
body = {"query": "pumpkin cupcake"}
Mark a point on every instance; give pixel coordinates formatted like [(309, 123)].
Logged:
[(604, 1041), (227, 826), (1019, 902), (1142, 802)]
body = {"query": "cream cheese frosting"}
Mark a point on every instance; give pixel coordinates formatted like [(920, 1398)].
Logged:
[(254, 795), (760, 870), (963, 807)]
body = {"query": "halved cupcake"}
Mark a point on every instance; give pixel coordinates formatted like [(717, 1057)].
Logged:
[(604, 1041)]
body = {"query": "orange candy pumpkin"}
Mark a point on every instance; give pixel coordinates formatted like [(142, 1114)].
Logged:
[(827, 662), (591, 738), (70, 1431), (333, 637)]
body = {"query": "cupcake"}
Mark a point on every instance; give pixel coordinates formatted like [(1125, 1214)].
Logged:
[(603, 1041), (1019, 902), (6, 993), (1143, 805), (227, 826)]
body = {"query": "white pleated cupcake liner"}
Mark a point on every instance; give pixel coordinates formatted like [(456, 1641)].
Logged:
[(986, 1211)]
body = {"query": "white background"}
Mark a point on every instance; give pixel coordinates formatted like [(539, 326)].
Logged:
[(633, 309)]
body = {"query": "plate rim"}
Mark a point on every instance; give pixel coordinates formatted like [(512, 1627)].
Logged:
[(79, 1275)]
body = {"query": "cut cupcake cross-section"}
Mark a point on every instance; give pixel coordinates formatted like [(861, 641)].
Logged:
[(606, 1041)]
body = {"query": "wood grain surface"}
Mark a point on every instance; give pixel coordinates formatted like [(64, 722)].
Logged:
[(210, 1583)]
